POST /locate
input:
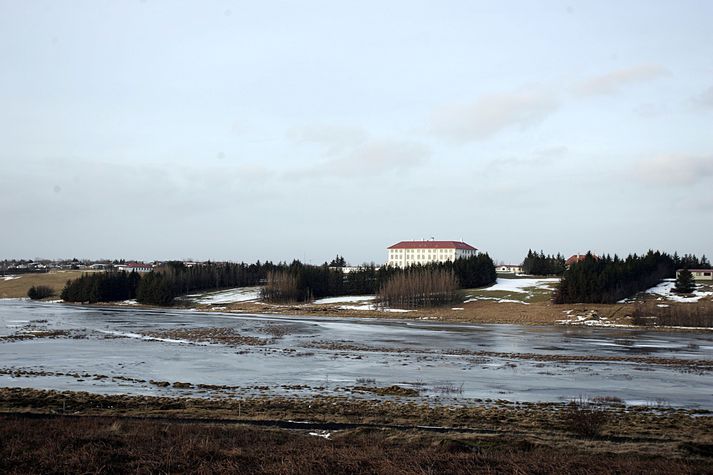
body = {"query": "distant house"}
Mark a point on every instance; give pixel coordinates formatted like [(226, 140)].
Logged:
[(135, 267), (509, 269), (577, 258), (406, 253), (699, 274)]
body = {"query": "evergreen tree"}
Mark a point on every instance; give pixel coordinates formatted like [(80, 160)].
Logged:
[(684, 282)]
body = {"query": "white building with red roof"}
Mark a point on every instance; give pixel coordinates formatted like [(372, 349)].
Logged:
[(406, 253)]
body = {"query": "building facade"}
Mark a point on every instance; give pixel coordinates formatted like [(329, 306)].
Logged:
[(407, 253), (135, 267), (509, 269), (699, 274)]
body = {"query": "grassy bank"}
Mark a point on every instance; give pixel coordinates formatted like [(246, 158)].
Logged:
[(18, 287), (119, 434)]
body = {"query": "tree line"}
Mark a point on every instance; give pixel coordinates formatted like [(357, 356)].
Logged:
[(541, 264), (295, 281), (102, 287), (690, 261), (610, 279), (301, 282)]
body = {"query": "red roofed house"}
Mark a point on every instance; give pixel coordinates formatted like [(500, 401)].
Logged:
[(406, 253), (577, 258)]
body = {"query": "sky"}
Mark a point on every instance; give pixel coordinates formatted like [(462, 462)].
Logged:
[(270, 130)]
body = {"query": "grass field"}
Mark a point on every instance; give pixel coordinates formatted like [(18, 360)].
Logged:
[(18, 287)]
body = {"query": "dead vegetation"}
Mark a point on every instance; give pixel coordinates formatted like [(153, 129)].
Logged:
[(419, 288), (109, 445), (281, 287), (201, 435), (654, 313)]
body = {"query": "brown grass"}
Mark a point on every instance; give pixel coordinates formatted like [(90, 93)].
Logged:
[(674, 314), (17, 288), (110, 445)]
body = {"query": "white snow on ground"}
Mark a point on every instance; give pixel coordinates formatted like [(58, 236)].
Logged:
[(475, 299), (665, 290), (11, 277), (151, 338), (240, 294), (345, 299), (522, 285), (373, 307), (517, 286), (591, 321)]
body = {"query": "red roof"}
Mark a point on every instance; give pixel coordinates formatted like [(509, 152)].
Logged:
[(135, 265), (577, 258), (432, 245)]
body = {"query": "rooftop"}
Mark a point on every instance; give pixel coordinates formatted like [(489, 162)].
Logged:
[(432, 245)]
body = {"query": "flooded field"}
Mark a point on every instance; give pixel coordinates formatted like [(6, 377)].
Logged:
[(181, 352)]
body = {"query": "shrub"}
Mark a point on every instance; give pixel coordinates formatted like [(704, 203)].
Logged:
[(584, 418), (39, 292)]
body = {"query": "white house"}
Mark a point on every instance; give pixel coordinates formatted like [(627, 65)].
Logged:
[(406, 253), (135, 267), (699, 274), (509, 268)]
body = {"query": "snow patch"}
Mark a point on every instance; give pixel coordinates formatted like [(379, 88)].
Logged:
[(665, 290), (240, 294), (522, 285)]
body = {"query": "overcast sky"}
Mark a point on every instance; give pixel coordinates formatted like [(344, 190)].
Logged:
[(276, 130)]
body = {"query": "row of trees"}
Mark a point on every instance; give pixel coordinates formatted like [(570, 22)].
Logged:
[(167, 282), (541, 264), (283, 282), (300, 282), (690, 261), (416, 287), (102, 287), (608, 280)]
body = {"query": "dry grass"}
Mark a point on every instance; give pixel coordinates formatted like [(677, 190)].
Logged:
[(674, 314), (17, 288), (114, 445)]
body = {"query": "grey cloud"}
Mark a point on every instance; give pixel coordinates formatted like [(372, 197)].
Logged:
[(612, 82), (675, 170), (490, 114)]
